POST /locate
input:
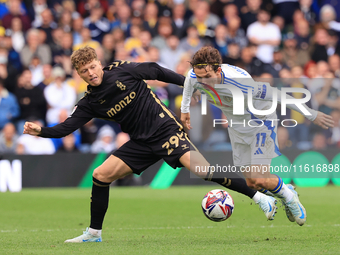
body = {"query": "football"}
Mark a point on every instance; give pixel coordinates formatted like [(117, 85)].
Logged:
[(217, 205)]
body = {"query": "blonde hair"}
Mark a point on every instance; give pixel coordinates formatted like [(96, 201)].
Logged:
[(83, 56)]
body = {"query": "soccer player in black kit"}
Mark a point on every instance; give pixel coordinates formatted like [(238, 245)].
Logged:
[(118, 92)]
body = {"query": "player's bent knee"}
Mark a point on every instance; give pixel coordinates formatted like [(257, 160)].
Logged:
[(106, 176)]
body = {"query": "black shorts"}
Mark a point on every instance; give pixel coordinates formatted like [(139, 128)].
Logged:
[(170, 145)]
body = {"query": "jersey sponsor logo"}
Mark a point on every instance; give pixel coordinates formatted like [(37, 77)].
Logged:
[(120, 85), (121, 105)]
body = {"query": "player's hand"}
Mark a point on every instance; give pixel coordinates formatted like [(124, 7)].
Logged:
[(185, 118), (323, 120), (32, 128)]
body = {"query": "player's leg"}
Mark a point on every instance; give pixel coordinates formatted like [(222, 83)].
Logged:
[(242, 155), (112, 169), (194, 161), (260, 178)]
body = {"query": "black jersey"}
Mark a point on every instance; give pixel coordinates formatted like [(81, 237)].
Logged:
[(124, 97)]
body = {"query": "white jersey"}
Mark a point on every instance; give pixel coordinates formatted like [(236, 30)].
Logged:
[(261, 93)]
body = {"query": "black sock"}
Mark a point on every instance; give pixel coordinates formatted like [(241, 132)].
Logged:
[(237, 184), (99, 203)]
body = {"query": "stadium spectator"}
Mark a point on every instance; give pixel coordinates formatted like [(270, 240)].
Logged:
[(35, 48), (335, 131), (8, 72), (265, 35), (58, 142), (88, 135), (286, 9), (234, 54), (48, 25), (34, 12), (70, 6), (85, 6), (65, 21), (328, 96), (47, 77), (63, 55), (133, 42), (31, 100), (151, 18), (299, 133), (192, 42), (308, 12), (55, 44), (68, 144), (229, 11), (325, 45), (171, 55), (59, 95), (154, 56), (334, 64), (249, 13), (36, 69), (235, 33), (220, 39), (108, 45), (319, 141), (9, 108), (118, 35), (86, 40), (250, 62), (105, 141), (283, 138), (15, 10), (179, 23), (34, 145), (292, 55), (8, 139), (17, 35), (97, 24), (302, 35), (123, 20), (77, 26), (165, 30), (277, 65), (205, 21)]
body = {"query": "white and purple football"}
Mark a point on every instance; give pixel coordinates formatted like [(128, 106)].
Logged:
[(217, 205)]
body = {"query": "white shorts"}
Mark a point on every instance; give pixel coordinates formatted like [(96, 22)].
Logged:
[(254, 149)]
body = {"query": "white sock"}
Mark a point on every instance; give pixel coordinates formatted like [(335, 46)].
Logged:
[(282, 191), (257, 197), (95, 232)]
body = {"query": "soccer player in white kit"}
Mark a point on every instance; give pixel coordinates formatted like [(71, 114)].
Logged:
[(253, 137)]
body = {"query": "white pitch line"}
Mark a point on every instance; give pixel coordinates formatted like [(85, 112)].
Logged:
[(164, 228)]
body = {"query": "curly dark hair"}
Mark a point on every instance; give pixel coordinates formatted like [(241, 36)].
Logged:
[(83, 56), (206, 56)]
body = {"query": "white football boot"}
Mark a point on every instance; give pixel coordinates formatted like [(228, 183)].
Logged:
[(288, 213), (296, 209), (268, 206), (85, 237)]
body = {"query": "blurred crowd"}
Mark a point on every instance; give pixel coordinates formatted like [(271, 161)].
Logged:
[(289, 43)]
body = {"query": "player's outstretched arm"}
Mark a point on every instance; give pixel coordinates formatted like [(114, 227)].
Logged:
[(32, 129), (185, 118), (323, 120)]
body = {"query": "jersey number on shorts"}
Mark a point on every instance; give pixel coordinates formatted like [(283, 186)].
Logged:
[(174, 141), (258, 137)]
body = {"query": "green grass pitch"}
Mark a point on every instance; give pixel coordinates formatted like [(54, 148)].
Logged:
[(145, 221)]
